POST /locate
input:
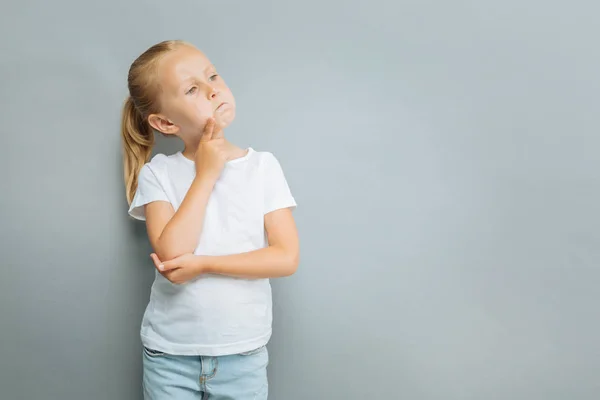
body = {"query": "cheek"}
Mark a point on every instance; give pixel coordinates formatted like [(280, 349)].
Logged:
[(202, 112), (203, 109), (230, 96), (195, 114)]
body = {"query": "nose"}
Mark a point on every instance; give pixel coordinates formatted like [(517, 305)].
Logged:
[(212, 92)]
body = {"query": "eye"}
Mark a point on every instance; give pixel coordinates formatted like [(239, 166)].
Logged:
[(213, 77), (192, 90)]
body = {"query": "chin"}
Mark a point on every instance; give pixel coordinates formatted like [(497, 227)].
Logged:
[(227, 120)]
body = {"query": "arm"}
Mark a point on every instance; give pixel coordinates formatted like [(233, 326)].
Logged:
[(173, 233), (279, 259)]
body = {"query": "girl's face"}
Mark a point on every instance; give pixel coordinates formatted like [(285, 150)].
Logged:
[(190, 92)]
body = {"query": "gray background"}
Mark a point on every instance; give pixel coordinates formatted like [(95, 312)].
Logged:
[(444, 155)]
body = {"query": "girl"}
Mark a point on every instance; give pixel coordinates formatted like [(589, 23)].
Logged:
[(219, 219)]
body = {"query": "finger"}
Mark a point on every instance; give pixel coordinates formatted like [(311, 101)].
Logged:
[(209, 129), (163, 266), (217, 130), (173, 277), (217, 133), (169, 266), (169, 276), (157, 262)]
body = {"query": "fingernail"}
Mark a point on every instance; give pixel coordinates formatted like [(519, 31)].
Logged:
[(161, 267)]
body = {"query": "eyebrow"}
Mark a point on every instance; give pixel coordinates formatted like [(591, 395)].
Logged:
[(191, 78)]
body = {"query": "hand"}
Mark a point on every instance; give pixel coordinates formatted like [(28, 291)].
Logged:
[(179, 270), (211, 153)]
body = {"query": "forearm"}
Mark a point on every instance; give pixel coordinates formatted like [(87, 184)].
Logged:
[(269, 262), (182, 232)]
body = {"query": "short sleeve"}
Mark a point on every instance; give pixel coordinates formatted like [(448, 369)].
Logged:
[(277, 193), (148, 190)]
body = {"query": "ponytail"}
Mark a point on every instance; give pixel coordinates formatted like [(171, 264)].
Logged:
[(138, 140), (136, 133)]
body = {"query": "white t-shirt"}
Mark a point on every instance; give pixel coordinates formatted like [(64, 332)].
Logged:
[(214, 315)]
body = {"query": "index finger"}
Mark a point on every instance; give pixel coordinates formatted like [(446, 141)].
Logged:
[(163, 266), (157, 263), (209, 129)]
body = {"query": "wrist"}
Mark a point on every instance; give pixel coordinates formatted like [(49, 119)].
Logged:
[(204, 181), (201, 265)]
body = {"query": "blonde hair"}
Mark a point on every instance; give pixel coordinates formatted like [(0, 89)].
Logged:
[(136, 133)]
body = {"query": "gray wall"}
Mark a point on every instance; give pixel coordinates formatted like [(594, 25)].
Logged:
[(445, 157)]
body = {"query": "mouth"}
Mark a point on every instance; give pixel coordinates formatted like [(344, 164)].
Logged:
[(222, 105)]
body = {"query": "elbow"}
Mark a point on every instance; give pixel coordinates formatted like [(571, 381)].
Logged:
[(167, 253), (167, 248), (170, 255), (292, 262)]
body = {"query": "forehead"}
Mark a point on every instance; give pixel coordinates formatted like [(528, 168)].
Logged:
[(182, 64)]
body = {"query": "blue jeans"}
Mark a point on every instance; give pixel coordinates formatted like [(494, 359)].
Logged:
[(236, 377)]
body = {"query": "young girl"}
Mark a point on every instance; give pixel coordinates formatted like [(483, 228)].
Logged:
[(219, 219)]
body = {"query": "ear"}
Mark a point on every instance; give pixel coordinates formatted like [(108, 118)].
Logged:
[(162, 124)]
